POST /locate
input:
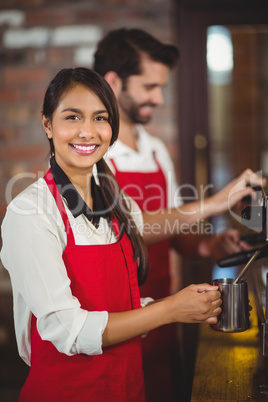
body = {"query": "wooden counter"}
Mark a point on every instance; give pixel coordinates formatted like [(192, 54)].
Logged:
[(229, 367)]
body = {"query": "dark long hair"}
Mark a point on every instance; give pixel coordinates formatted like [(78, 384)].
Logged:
[(112, 194)]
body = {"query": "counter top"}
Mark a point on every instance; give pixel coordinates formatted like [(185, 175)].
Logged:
[(229, 366)]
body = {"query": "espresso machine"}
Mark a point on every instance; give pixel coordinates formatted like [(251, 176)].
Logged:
[(255, 217)]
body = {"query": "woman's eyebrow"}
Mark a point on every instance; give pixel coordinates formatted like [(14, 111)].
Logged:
[(75, 110), (101, 111), (71, 109)]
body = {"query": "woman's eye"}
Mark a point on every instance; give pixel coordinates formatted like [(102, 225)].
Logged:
[(72, 117), (101, 118)]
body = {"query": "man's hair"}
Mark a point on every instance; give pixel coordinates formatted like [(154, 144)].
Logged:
[(121, 51)]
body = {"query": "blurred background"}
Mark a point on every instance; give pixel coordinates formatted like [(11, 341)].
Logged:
[(214, 121)]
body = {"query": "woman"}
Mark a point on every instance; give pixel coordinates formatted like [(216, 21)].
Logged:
[(76, 258)]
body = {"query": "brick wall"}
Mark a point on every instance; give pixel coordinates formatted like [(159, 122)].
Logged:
[(39, 37)]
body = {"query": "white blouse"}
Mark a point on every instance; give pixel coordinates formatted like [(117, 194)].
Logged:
[(34, 239)]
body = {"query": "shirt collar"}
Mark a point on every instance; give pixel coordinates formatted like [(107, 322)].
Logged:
[(75, 202), (145, 146)]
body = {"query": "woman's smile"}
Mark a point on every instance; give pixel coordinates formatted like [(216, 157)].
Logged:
[(84, 149)]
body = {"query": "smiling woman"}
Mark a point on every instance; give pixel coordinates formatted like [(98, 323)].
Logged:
[(77, 268), (81, 135)]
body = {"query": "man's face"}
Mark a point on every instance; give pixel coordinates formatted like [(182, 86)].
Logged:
[(142, 93)]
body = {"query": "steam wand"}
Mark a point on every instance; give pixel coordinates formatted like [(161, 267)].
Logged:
[(246, 267)]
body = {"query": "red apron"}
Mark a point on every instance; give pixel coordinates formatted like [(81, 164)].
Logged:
[(159, 347), (149, 190), (103, 278)]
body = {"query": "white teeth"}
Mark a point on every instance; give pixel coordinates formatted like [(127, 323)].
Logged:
[(84, 148)]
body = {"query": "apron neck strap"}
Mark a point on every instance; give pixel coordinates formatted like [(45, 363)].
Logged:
[(56, 194)]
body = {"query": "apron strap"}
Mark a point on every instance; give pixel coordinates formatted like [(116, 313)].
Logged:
[(114, 165), (58, 199), (127, 251), (156, 161)]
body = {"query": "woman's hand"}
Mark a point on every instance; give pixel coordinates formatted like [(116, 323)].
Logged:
[(195, 304)]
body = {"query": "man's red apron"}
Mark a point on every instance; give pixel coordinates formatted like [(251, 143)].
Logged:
[(149, 190), (103, 278)]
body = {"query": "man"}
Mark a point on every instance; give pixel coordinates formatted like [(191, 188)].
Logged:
[(137, 67)]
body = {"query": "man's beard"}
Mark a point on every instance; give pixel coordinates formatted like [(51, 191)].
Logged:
[(131, 108)]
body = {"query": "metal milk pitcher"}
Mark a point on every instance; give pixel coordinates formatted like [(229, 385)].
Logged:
[(235, 305)]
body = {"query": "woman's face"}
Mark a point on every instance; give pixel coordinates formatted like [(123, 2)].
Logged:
[(79, 129)]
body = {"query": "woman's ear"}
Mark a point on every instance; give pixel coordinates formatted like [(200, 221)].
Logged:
[(47, 126), (114, 81)]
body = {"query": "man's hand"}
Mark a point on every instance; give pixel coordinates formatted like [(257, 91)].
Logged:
[(235, 191), (226, 243)]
